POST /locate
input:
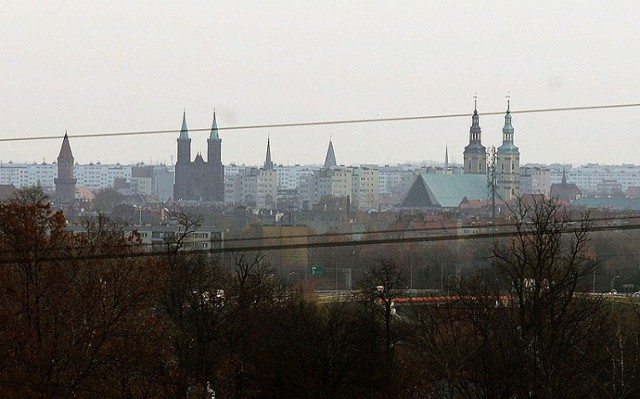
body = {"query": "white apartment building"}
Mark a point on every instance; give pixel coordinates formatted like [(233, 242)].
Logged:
[(291, 177), (365, 188), (93, 176), (535, 180), (587, 177), (252, 187)]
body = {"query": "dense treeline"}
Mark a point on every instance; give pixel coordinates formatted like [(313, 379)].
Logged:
[(183, 326)]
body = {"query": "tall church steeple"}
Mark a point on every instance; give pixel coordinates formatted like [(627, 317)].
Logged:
[(508, 161), (214, 162), (65, 182), (214, 128), (507, 130), (268, 164), (184, 132), (184, 142), (475, 154), (330, 159), (446, 157)]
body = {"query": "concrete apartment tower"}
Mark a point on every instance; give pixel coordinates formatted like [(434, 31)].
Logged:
[(65, 182)]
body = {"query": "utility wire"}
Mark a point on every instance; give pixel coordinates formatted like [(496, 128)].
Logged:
[(322, 123), (328, 236), (263, 248)]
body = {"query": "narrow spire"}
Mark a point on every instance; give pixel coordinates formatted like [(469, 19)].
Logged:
[(564, 175), (330, 159), (214, 128), (446, 157), (268, 164), (475, 131), (507, 130), (184, 132)]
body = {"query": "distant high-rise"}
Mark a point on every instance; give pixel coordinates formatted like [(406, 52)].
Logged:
[(199, 180), (508, 162), (475, 154), (65, 182), (330, 159)]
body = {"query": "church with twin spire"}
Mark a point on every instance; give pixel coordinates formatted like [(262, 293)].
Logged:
[(507, 162), (199, 180)]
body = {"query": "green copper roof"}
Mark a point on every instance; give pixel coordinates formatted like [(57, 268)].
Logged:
[(214, 129), (508, 128), (184, 132), (445, 191)]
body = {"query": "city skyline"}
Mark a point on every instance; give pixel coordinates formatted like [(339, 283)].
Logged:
[(117, 68)]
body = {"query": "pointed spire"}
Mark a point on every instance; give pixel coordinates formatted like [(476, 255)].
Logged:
[(330, 159), (184, 132), (564, 176), (475, 103), (214, 128), (268, 164), (475, 131), (507, 130), (446, 157), (65, 149)]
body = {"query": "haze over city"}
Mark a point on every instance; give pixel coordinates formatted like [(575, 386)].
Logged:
[(122, 66)]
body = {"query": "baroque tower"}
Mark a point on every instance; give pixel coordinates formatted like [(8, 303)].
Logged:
[(475, 154), (508, 162), (65, 182)]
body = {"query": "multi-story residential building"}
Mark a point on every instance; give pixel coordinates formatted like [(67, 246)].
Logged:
[(291, 177), (394, 179), (334, 182), (535, 180), (258, 187), (587, 177), (249, 186), (365, 188)]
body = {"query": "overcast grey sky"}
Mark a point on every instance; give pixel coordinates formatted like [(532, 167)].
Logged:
[(111, 66)]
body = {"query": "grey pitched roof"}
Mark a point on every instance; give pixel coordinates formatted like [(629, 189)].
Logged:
[(447, 191)]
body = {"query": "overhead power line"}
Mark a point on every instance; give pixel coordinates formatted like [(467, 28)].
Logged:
[(264, 248), (320, 123), (318, 238)]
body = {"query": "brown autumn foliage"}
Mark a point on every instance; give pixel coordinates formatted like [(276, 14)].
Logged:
[(73, 325)]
